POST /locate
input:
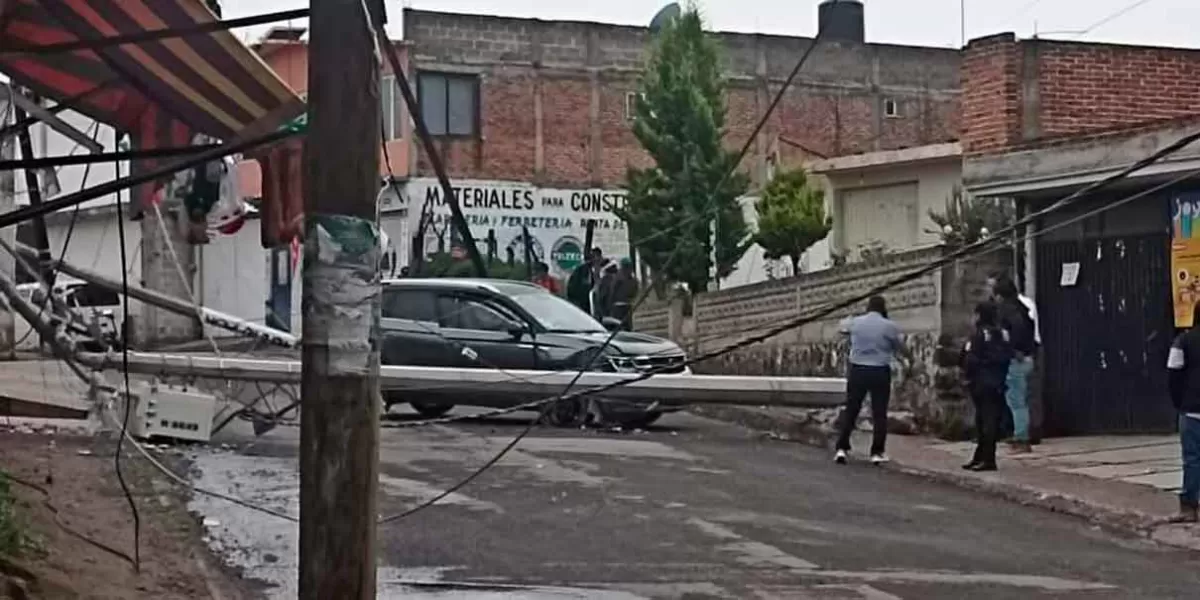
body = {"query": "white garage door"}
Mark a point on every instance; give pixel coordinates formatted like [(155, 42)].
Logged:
[(885, 215)]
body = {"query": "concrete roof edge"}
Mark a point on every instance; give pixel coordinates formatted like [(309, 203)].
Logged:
[(1086, 159), (888, 158)]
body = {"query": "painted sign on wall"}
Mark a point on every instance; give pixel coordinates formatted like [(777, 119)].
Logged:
[(1185, 257), (556, 219)]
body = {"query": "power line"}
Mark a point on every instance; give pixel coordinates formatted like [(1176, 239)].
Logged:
[(598, 352), (151, 35), (1115, 16), (1104, 21), (67, 240), (1028, 6), (1027, 237), (137, 519), (976, 248)]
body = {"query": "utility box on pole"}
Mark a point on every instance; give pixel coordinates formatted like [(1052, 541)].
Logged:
[(339, 385)]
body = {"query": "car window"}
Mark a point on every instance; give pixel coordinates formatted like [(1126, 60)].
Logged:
[(556, 314), (91, 295), (414, 305), (460, 312)]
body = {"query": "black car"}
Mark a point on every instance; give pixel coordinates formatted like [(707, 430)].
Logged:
[(501, 324)]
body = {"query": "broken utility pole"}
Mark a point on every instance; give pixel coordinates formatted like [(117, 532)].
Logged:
[(41, 237), (339, 386), (8, 264)]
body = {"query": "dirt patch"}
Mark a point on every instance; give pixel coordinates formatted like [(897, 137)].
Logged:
[(67, 491)]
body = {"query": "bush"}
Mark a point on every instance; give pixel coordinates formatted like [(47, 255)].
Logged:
[(13, 539)]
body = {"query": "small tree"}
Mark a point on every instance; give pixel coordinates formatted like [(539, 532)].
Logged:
[(966, 219), (684, 212), (791, 217)]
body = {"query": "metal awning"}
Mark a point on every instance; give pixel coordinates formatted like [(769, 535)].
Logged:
[(162, 92)]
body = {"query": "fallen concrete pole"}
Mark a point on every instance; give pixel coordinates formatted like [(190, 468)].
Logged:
[(173, 304), (670, 390)]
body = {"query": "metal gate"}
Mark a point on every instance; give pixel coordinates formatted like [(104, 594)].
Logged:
[(1106, 336)]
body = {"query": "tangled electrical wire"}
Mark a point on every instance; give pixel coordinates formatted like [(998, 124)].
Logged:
[(985, 245)]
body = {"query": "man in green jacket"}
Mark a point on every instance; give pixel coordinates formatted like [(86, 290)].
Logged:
[(583, 280)]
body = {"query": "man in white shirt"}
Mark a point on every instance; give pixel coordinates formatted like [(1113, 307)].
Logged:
[(1033, 377), (1036, 413)]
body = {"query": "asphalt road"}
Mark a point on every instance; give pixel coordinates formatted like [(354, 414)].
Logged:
[(694, 509)]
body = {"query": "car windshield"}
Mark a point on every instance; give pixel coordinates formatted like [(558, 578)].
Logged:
[(555, 314)]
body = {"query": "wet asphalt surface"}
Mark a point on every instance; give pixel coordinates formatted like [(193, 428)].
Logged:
[(692, 509)]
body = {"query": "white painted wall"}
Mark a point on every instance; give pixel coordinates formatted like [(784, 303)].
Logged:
[(934, 180), (233, 276), (49, 142)]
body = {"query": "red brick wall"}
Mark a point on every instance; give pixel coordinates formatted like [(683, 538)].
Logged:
[(991, 94), (1015, 92), (830, 123), (835, 107), (1086, 87)]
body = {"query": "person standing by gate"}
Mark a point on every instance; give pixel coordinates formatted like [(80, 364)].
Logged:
[(1022, 334), (874, 342), (987, 359), (1183, 369)]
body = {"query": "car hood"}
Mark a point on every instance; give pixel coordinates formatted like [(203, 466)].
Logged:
[(633, 343)]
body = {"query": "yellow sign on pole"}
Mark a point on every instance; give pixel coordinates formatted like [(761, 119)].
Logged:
[(1185, 258)]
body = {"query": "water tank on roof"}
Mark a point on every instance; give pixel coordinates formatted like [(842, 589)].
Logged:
[(841, 20)]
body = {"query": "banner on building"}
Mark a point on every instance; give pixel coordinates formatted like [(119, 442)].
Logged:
[(1185, 257), (556, 219)]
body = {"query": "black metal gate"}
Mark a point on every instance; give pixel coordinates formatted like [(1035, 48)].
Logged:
[(1106, 336)]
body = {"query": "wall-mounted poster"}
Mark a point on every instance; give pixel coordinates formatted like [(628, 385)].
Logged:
[(556, 219), (1185, 257)]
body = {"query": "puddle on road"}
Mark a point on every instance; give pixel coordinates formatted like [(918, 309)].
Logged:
[(448, 591), (265, 548)]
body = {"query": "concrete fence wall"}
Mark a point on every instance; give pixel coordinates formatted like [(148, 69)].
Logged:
[(933, 311)]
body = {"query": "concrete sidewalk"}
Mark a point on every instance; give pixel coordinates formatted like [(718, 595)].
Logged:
[(1120, 482)]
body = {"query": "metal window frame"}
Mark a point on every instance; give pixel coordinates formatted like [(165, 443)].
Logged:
[(476, 118)]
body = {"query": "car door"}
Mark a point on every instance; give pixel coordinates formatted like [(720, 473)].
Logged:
[(410, 331), (483, 332)]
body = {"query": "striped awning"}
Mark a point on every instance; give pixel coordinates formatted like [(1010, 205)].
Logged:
[(161, 92)]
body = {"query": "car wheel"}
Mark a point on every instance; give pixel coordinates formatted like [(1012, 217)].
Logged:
[(431, 410), (566, 413)]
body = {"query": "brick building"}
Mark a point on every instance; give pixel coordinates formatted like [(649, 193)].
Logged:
[(548, 102), (285, 50), (1043, 119)]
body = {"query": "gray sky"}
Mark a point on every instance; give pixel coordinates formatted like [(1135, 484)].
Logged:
[(919, 22)]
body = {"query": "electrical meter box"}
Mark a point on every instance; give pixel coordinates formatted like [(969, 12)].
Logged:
[(160, 411)]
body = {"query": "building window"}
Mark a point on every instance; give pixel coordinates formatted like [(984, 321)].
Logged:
[(392, 104), (449, 103), (630, 105), (891, 108)]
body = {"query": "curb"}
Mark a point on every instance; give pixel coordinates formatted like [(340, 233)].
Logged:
[(1150, 527)]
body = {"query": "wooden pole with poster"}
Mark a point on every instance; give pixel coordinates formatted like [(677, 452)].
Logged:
[(339, 382)]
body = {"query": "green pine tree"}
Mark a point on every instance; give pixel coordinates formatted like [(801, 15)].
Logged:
[(683, 212), (791, 217)]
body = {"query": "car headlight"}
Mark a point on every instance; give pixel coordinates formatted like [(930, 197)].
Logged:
[(623, 364)]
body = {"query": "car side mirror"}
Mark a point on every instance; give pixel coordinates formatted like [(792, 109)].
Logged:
[(611, 323), (517, 330)]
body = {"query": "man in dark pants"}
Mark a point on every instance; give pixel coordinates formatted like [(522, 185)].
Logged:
[(874, 342), (1183, 365)]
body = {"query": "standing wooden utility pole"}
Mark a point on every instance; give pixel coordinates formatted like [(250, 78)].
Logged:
[(339, 431)]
